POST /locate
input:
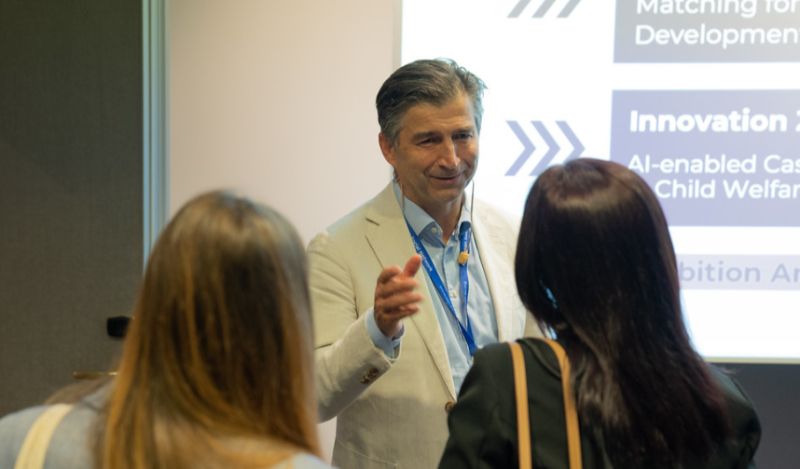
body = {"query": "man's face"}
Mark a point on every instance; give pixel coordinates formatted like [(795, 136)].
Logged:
[(435, 154)]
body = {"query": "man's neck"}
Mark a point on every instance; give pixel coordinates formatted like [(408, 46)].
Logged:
[(446, 216)]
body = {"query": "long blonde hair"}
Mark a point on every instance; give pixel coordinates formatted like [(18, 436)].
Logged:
[(217, 366)]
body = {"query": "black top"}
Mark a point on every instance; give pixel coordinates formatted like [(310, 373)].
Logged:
[(483, 424)]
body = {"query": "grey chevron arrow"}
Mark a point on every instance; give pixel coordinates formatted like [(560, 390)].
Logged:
[(552, 146), (518, 8), (543, 8), (551, 153), (577, 146), (527, 149), (568, 9)]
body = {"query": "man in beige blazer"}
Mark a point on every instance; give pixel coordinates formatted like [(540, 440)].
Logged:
[(389, 358)]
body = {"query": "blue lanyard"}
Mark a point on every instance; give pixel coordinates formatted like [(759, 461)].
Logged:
[(464, 240)]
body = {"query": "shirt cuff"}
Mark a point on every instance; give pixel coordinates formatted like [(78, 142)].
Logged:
[(388, 345)]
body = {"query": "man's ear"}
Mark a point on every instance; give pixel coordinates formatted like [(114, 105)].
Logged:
[(386, 148)]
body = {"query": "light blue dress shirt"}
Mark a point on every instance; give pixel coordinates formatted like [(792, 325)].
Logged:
[(445, 258)]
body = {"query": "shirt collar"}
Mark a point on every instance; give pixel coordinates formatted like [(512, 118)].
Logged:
[(422, 223)]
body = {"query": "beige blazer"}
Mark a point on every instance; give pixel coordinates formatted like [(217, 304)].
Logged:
[(393, 412)]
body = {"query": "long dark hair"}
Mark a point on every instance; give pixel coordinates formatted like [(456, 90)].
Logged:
[(595, 265)]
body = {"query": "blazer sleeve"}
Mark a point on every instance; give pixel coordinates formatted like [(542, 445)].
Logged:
[(481, 433), (347, 361)]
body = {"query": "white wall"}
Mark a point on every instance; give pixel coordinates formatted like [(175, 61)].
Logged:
[(275, 98)]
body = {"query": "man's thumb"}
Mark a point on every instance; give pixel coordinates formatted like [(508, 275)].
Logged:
[(412, 266)]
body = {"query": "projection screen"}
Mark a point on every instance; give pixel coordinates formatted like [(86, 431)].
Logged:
[(700, 97)]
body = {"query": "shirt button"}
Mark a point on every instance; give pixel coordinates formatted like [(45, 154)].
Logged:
[(449, 406)]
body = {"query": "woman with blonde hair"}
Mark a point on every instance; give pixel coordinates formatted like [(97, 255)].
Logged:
[(217, 365)]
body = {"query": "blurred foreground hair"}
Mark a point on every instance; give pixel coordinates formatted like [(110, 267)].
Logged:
[(217, 366)]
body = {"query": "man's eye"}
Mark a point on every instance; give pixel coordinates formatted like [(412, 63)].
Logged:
[(463, 136)]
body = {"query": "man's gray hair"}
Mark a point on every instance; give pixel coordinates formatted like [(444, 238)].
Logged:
[(435, 81)]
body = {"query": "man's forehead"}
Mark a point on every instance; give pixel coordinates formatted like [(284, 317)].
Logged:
[(456, 113)]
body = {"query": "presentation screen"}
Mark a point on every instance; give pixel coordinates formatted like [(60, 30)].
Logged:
[(700, 97)]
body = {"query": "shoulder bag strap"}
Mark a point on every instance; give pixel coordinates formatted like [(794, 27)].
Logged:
[(573, 430), (34, 447), (521, 394)]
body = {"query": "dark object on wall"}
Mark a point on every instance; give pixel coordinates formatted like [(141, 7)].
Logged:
[(117, 325)]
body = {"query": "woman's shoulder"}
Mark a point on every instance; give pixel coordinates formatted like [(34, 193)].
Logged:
[(268, 452), (493, 352), (730, 387), (534, 349), (741, 447), (541, 356), (534, 343), (68, 442), (304, 461), (740, 407), (494, 362), (13, 428)]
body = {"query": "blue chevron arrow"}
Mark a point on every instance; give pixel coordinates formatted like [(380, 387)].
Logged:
[(553, 147), (577, 146), (518, 8), (527, 149), (551, 153), (543, 8), (568, 9)]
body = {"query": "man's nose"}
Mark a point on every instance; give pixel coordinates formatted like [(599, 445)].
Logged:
[(449, 154)]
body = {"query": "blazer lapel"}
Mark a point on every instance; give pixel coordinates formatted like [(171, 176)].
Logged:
[(387, 236), (494, 247)]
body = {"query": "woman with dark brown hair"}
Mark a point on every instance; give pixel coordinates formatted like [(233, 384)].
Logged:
[(596, 267), (217, 366)]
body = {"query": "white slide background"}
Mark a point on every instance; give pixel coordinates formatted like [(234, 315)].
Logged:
[(551, 63)]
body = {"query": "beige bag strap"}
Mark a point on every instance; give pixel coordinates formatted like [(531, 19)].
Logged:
[(34, 448), (570, 412), (521, 394)]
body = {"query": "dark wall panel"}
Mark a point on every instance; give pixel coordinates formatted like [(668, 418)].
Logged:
[(70, 187)]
